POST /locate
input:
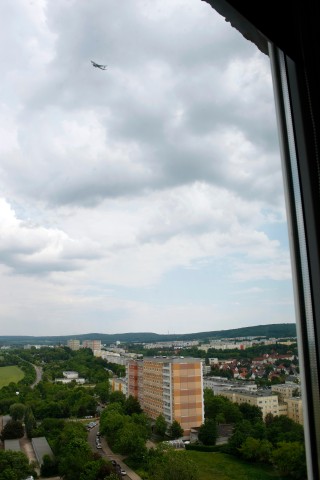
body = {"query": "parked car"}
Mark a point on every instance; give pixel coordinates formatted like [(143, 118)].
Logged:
[(123, 472), (99, 445)]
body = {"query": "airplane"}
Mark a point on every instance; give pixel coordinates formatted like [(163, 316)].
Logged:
[(102, 67)]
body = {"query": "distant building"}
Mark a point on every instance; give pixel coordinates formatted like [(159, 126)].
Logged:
[(74, 344), (295, 409), (216, 384), (264, 399), (171, 386), (285, 390), (92, 344), (118, 385), (70, 376)]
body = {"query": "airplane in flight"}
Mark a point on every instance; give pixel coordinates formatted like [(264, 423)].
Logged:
[(102, 67)]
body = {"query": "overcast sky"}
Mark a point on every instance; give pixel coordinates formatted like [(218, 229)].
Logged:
[(146, 197)]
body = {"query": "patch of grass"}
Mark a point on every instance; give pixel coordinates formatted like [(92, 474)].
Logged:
[(220, 466), (10, 374)]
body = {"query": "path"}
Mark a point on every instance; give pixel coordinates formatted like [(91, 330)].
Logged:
[(108, 453)]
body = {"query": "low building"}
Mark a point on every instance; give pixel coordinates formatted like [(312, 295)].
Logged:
[(70, 376), (13, 445), (263, 399), (118, 385), (41, 448)]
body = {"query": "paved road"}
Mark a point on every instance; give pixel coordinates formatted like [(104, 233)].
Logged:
[(107, 453), (39, 375)]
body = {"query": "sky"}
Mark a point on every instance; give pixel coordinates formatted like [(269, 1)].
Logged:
[(144, 198)]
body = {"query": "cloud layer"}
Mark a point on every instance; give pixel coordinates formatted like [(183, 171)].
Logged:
[(114, 182)]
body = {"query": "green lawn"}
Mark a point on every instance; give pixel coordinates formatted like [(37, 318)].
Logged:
[(219, 466), (10, 374)]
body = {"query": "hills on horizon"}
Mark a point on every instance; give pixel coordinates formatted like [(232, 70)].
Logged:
[(272, 331)]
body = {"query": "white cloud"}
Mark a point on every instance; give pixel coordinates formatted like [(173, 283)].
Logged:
[(113, 180)]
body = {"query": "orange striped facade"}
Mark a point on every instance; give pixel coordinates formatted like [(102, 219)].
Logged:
[(172, 387)]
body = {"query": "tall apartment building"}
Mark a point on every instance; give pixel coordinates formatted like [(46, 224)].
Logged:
[(92, 344), (172, 387), (74, 344)]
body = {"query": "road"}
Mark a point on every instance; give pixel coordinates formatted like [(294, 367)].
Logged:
[(38, 377), (107, 453)]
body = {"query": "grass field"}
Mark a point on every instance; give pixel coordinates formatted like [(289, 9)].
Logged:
[(219, 466), (10, 374)]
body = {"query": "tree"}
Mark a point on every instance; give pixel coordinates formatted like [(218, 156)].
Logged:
[(49, 467), (17, 411), (160, 426), (175, 430), (117, 397), (29, 422), (208, 432), (256, 450), (14, 465), (13, 429), (132, 405), (250, 412), (172, 465), (289, 459)]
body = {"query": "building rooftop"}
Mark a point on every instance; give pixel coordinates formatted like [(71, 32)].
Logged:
[(164, 359)]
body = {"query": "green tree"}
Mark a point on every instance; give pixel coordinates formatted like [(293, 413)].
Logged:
[(73, 458), (256, 450), (29, 422), (160, 426), (173, 465), (250, 412), (208, 432), (132, 405), (289, 459), (131, 442), (175, 430), (17, 411), (49, 467), (14, 465), (13, 429), (103, 391), (117, 397), (96, 470)]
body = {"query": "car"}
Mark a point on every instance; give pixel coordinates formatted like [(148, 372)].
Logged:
[(123, 472), (99, 445), (98, 434), (114, 463)]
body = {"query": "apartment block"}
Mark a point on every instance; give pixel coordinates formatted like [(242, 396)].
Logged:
[(171, 386), (264, 399), (285, 390), (74, 344), (92, 344), (295, 409)]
